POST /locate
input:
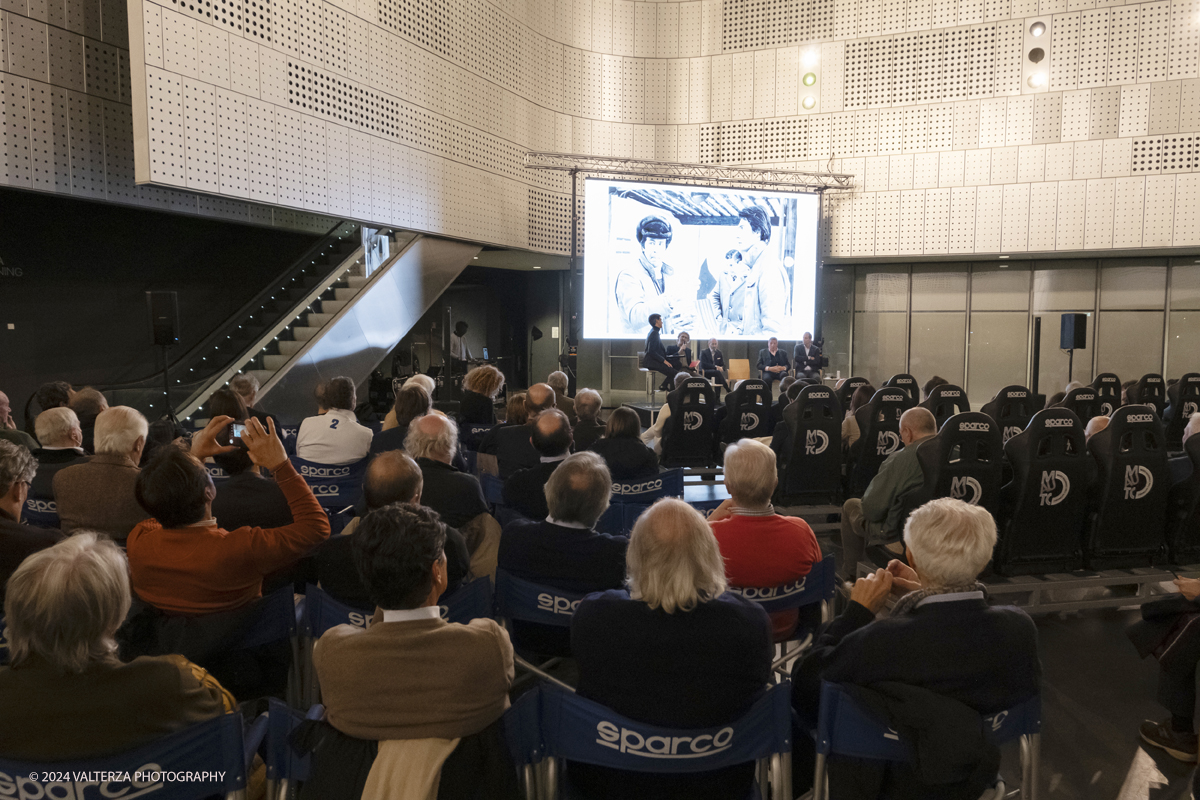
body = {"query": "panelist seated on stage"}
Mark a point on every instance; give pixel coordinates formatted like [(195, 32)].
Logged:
[(525, 490), (807, 357), (480, 387), (622, 448), (652, 436), (681, 353), (558, 381), (654, 357), (589, 427), (773, 363), (511, 444), (713, 366), (334, 437)]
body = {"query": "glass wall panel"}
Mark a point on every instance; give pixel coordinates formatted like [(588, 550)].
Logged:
[(881, 288), (1000, 288), (999, 343), (1141, 286), (1053, 370), (937, 287), (938, 346), (1183, 349), (879, 341), (1064, 289), (837, 289), (1129, 343), (1185, 287), (835, 327)]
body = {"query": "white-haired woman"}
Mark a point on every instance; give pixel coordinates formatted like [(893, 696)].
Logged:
[(67, 695), (674, 650), (941, 636)]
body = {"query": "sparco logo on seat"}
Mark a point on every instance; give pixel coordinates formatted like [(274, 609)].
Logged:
[(637, 488), (978, 427), (325, 472), (1063, 422), (634, 743), (555, 604), (1140, 418)]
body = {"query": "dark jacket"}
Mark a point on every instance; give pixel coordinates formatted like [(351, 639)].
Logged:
[(391, 439), (456, 496), (688, 669), (250, 499), (585, 434), (49, 463), (476, 408), (810, 361), (765, 359), (1169, 630), (511, 446), (627, 459), (656, 354), (99, 496), (18, 541), (525, 490), (571, 559), (710, 361)]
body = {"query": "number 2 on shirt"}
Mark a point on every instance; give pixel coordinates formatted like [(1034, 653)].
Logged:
[(333, 424)]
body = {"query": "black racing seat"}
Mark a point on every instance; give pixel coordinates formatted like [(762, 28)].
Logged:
[(1045, 507), (1011, 408), (902, 380), (1150, 390), (748, 412), (847, 389), (1183, 401), (1083, 401), (1183, 511), (878, 436), (689, 433), (813, 470), (1130, 507), (1108, 392), (945, 401)]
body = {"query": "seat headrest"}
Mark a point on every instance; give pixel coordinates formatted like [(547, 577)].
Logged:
[(1055, 419), (901, 379), (1134, 417), (751, 385), (814, 394), (1084, 394), (969, 423), (947, 391), (889, 395), (1106, 379), (1013, 392)]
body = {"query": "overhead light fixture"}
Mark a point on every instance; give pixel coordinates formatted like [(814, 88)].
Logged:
[(535, 266), (809, 102), (1037, 80), (1003, 256), (811, 57), (1037, 29), (810, 78), (476, 258)]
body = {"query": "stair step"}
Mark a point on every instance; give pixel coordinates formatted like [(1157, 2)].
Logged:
[(263, 375), (275, 363), (344, 294), (332, 306), (303, 334), (355, 281), (318, 320), (289, 348)]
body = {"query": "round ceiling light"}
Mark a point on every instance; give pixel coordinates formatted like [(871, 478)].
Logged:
[(1037, 29), (1037, 80), (810, 78), (809, 101)]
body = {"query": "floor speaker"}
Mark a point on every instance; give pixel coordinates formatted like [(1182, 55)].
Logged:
[(164, 318), (1073, 335)]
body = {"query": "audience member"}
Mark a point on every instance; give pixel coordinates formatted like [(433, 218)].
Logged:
[(589, 427), (334, 437), (524, 491), (779, 405), (653, 435), (1070, 387), (8, 427), (67, 695), (623, 450), (411, 675), (780, 439), (424, 381), (246, 386), (850, 432), (675, 650), (17, 470), (245, 498), (54, 394), (875, 518), (930, 385), (62, 446), (100, 495), (411, 403), (182, 561), (761, 548), (558, 382), (162, 432), (87, 403), (516, 410), (480, 387), (1125, 387), (943, 652), (1094, 426), (564, 550), (1056, 399), (511, 444), (392, 477), (455, 495)]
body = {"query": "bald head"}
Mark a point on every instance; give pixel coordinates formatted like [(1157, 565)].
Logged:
[(1094, 426), (917, 423), (539, 397), (392, 477), (432, 436), (1193, 426), (552, 433)]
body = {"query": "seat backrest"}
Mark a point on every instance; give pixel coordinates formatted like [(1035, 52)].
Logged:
[(1184, 399), (288, 434), (1183, 521), (963, 461), (1108, 392), (472, 600), (945, 401), (211, 752), (689, 432), (282, 760), (847, 389), (578, 729), (470, 434), (819, 585), (41, 512), (1011, 408), (527, 601), (902, 380), (1047, 500), (335, 486), (879, 435), (217, 473), (749, 411), (1151, 390), (1084, 402), (1132, 487), (668, 483), (814, 463)]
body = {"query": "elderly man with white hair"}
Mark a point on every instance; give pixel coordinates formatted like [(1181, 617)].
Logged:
[(99, 495), (675, 649), (589, 427), (62, 445), (942, 653), (17, 468), (761, 548), (559, 382)]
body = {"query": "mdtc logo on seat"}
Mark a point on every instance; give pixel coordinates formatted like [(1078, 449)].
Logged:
[(1133, 476), (634, 743), (1010, 431), (815, 443), (749, 421), (692, 420), (1051, 494), (555, 604), (960, 486), (888, 443)]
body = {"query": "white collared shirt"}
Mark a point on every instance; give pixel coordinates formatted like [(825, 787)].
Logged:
[(333, 438), (552, 459), (411, 614), (72, 447), (577, 525), (953, 597)]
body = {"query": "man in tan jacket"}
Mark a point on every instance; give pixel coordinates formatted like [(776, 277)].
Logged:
[(98, 496)]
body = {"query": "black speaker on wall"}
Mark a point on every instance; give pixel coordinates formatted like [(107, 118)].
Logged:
[(164, 318), (1073, 335)]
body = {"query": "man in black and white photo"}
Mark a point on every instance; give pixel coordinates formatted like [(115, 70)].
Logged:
[(645, 288)]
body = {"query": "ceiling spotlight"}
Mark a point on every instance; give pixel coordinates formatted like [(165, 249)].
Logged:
[(1037, 80), (810, 78), (811, 57), (1037, 29), (809, 101), (535, 266)]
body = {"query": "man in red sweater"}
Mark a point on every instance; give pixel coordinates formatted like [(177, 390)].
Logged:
[(761, 548), (181, 561)]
